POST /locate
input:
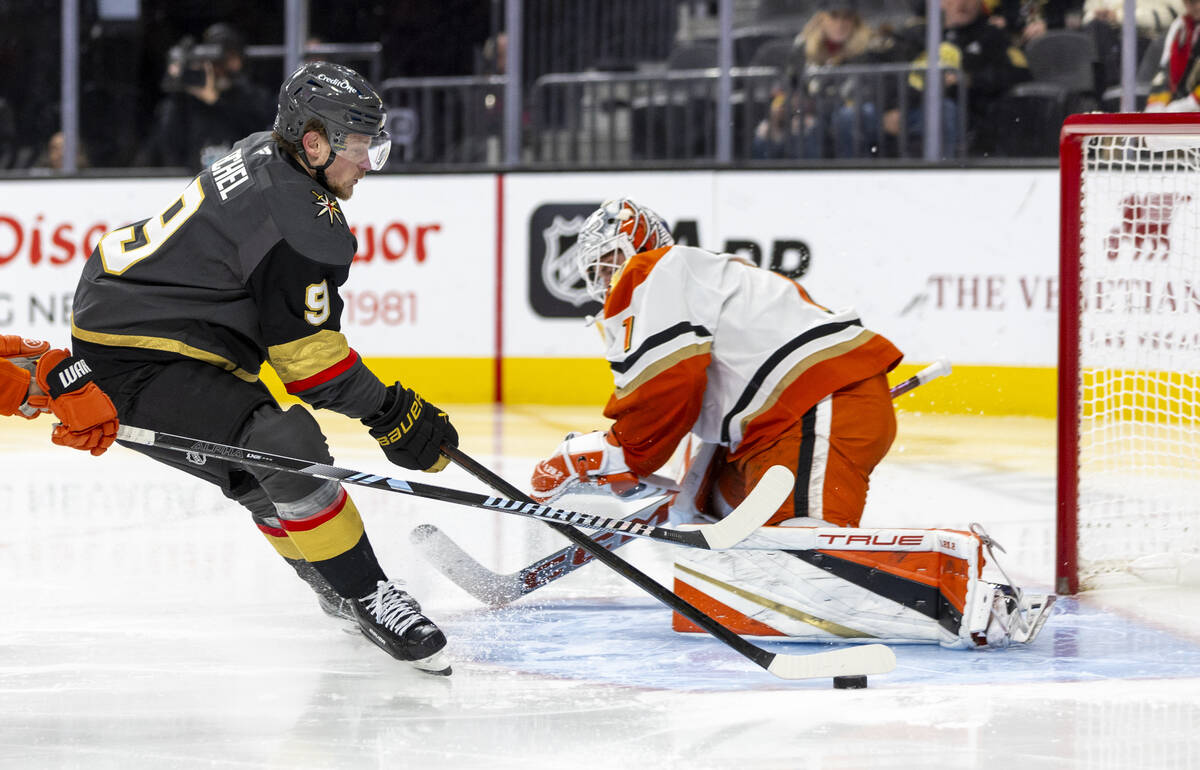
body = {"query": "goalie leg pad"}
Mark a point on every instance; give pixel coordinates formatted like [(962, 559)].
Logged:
[(893, 586)]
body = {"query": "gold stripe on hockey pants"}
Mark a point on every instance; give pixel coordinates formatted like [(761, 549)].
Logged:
[(328, 533)]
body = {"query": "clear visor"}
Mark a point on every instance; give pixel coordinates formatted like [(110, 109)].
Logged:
[(371, 151)]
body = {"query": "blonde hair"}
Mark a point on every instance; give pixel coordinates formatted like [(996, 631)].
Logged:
[(813, 39)]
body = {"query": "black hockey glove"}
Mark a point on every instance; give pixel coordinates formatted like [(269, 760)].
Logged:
[(410, 430)]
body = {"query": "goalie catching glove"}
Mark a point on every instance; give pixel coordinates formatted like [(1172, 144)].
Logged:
[(583, 459), (411, 431)]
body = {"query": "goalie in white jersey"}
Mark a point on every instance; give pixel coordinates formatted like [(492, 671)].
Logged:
[(748, 363), (742, 358)]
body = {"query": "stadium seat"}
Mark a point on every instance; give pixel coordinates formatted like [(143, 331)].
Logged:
[(1064, 57), (1027, 120), (1110, 101)]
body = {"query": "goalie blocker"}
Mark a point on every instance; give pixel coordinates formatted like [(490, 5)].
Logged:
[(825, 584)]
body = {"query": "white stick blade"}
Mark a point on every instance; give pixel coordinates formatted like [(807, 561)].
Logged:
[(847, 661), (462, 569), (763, 501)]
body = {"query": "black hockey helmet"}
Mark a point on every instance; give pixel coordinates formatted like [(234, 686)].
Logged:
[(341, 99)]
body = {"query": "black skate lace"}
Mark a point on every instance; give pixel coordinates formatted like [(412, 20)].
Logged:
[(392, 607)]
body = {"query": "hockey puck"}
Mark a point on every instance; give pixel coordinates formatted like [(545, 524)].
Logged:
[(849, 682)]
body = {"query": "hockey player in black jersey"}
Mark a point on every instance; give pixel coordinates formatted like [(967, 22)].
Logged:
[(178, 312)]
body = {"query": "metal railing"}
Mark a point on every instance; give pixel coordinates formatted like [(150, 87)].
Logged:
[(607, 118), (370, 53), (446, 120), (598, 119)]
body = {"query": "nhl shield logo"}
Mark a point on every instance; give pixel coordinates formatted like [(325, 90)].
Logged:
[(560, 272), (555, 288)]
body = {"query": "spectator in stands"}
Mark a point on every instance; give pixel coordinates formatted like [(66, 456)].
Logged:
[(834, 116), (1152, 16), (1176, 86), (1103, 19), (1025, 20), (991, 66), (51, 156), (778, 136), (210, 103)]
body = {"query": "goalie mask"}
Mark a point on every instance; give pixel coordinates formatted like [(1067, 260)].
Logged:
[(344, 102), (613, 233)]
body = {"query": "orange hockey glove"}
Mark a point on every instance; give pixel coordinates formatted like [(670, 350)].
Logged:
[(583, 462), (18, 360), (88, 418)]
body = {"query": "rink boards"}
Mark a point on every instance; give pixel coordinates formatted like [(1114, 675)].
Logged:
[(464, 283)]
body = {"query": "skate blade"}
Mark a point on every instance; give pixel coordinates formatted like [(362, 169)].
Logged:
[(436, 664)]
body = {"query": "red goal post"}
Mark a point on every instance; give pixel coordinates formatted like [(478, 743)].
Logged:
[(1128, 497)]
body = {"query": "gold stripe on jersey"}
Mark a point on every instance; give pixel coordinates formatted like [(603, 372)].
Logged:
[(803, 366), (164, 344), (661, 365), (309, 355)]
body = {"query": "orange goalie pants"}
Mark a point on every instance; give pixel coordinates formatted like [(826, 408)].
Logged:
[(832, 450)]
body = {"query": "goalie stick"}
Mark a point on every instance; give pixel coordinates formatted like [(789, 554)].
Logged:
[(939, 368), (849, 661), (497, 589)]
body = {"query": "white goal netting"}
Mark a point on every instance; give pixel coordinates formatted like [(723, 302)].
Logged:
[(1139, 359)]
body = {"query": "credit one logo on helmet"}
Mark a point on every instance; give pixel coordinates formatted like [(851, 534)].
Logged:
[(340, 83), (556, 289)]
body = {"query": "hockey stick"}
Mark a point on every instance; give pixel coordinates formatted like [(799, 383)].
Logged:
[(497, 590), (759, 505), (939, 368), (848, 661)]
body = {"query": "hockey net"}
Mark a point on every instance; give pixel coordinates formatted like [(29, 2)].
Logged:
[(1129, 350)]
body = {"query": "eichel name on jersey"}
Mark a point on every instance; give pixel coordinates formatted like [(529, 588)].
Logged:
[(244, 267)]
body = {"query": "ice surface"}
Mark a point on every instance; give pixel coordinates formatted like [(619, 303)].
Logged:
[(147, 625)]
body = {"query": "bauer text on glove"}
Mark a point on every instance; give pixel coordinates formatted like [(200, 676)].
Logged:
[(411, 431)]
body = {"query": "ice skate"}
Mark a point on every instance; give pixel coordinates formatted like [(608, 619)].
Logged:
[(392, 619), (333, 605)]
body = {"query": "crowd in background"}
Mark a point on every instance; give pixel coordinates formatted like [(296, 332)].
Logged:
[(173, 87), (814, 114), (132, 110)]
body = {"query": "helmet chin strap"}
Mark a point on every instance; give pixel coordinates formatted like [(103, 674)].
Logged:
[(319, 171)]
